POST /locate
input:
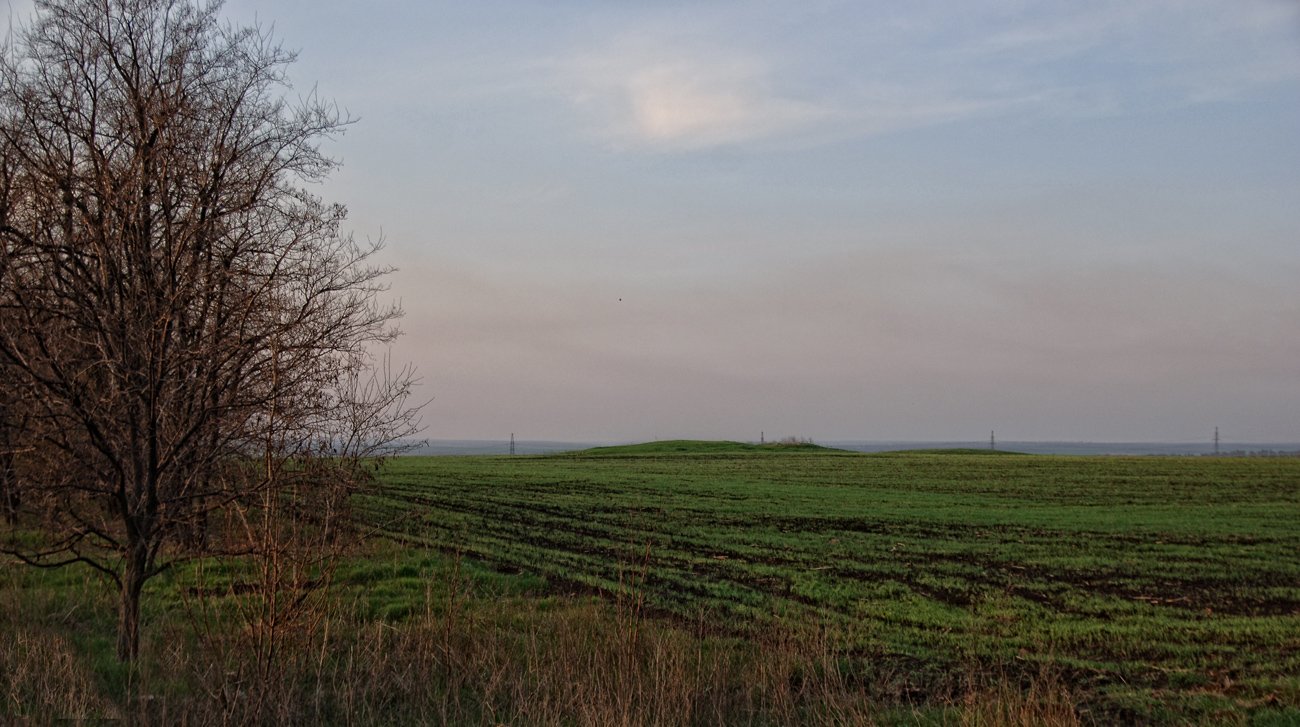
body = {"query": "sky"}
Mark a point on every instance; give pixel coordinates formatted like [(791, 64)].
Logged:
[(618, 221)]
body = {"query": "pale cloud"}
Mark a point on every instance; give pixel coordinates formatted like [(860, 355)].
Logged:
[(650, 91), (672, 102), (654, 93)]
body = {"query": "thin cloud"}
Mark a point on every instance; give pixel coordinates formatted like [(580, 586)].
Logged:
[(695, 82), (1131, 56)]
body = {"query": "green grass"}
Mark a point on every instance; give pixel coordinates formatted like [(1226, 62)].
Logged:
[(1158, 583), (1161, 590)]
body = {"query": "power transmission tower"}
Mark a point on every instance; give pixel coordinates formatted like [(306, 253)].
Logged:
[(1216, 441), (512, 443), (992, 443), (760, 438)]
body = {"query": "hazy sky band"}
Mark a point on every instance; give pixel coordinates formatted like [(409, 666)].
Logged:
[(837, 220)]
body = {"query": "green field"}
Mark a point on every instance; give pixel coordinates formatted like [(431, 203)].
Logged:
[(1155, 584)]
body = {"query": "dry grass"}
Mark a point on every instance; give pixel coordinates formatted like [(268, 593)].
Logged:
[(565, 664), (472, 658), (41, 674), (1047, 702)]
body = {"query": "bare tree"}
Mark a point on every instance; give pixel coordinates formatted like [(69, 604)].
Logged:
[(186, 327)]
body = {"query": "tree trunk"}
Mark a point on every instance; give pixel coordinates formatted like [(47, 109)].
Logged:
[(128, 624), (9, 498)]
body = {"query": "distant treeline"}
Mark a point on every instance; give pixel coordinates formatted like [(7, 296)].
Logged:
[(1257, 453)]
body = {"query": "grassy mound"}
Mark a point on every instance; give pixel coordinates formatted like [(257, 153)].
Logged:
[(692, 446), (966, 451)]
